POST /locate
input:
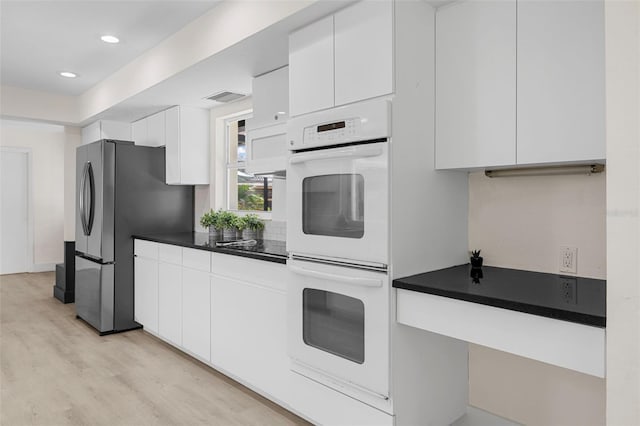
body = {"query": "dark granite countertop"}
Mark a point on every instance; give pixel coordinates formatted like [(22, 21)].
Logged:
[(569, 298), (269, 250)]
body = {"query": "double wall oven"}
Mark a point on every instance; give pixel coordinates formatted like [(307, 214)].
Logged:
[(337, 235)]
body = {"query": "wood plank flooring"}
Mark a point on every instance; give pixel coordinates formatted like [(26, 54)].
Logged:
[(56, 370)]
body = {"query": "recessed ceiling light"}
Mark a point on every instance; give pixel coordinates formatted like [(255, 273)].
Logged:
[(68, 74), (110, 39)]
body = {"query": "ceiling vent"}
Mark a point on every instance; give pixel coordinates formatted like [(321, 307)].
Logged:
[(225, 97)]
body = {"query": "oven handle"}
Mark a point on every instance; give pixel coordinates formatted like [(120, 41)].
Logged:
[(353, 151), (357, 281)]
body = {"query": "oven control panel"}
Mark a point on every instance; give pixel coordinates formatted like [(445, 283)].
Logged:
[(360, 122), (332, 133)]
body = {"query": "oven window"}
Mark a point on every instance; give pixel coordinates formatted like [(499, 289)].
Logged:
[(333, 323), (333, 205)]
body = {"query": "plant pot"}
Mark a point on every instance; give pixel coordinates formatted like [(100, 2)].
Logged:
[(252, 234), (476, 262), (214, 233), (229, 234)]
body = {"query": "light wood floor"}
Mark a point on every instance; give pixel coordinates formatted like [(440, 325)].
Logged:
[(55, 370)]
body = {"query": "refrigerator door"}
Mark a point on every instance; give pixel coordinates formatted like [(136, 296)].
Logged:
[(94, 293), (81, 200), (95, 169)]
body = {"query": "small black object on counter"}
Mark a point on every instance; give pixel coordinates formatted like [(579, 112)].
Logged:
[(269, 250), (569, 298)]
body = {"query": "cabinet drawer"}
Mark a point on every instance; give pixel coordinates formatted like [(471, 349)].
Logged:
[(170, 254), (146, 249), (266, 274), (196, 259)]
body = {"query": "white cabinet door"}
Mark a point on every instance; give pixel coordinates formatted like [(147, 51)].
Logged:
[(115, 130), (139, 132), (187, 146), (170, 302), (106, 129), (311, 83), (155, 130), (363, 51), (476, 84), (267, 149), (270, 99), (248, 333), (172, 132), (561, 93), (146, 293), (196, 311)]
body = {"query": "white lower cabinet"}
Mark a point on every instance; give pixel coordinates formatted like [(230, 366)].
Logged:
[(248, 340), (146, 293), (196, 321), (170, 302), (232, 316)]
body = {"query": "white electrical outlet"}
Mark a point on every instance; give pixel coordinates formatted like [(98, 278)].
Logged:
[(569, 259)]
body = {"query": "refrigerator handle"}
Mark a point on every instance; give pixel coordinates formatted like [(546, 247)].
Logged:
[(92, 198), (82, 201)]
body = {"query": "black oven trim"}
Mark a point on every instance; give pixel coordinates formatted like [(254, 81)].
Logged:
[(319, 148)]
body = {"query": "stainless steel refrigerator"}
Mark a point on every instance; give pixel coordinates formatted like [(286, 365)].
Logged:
[(120, 191)]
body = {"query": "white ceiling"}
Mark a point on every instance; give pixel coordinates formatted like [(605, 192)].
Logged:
[(41, 38), (38, 39)]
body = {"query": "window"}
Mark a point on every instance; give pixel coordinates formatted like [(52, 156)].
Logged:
[(245, 192)]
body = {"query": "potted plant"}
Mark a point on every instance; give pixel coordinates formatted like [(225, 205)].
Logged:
[(211, 220), (228, 222), (476, 259), (252, 227)]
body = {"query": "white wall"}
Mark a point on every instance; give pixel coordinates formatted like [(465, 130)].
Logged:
[(622, 23), (73, 140), (520, 223), (47, 143), (26, 104)]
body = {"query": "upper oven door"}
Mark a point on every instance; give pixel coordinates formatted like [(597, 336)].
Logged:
[(338, 323), (338, 203)]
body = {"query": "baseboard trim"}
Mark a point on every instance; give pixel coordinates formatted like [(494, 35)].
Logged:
[(43, 267)]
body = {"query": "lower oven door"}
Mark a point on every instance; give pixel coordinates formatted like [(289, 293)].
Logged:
[(338, 203), (338, 324)]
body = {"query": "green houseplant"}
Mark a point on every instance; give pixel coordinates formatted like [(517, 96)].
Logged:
[(252, 227), (476, 259), (211, 220), (228, 222)]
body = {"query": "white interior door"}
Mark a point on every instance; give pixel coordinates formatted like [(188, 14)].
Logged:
[(14, 211)]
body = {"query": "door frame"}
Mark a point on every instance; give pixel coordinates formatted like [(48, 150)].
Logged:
[(30, 215)]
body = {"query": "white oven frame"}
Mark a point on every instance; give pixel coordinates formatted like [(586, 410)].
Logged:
[(369, 381), (369, 160)]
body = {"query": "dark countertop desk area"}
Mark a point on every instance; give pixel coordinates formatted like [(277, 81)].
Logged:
[(569, 298)]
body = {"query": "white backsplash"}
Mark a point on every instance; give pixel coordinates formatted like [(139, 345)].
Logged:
[(275, 230)]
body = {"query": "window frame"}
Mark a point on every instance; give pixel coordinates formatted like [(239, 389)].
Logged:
[(229, 166)]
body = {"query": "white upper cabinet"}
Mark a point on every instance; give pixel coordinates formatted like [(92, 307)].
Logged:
[(187, 139), (267, 129), (270, 93), (363, 51), (476, 84), (342, 58), (150, 131), (105, 129), (561, 81), (519, 82), (311, 67), (155, 130), (139, 131)]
